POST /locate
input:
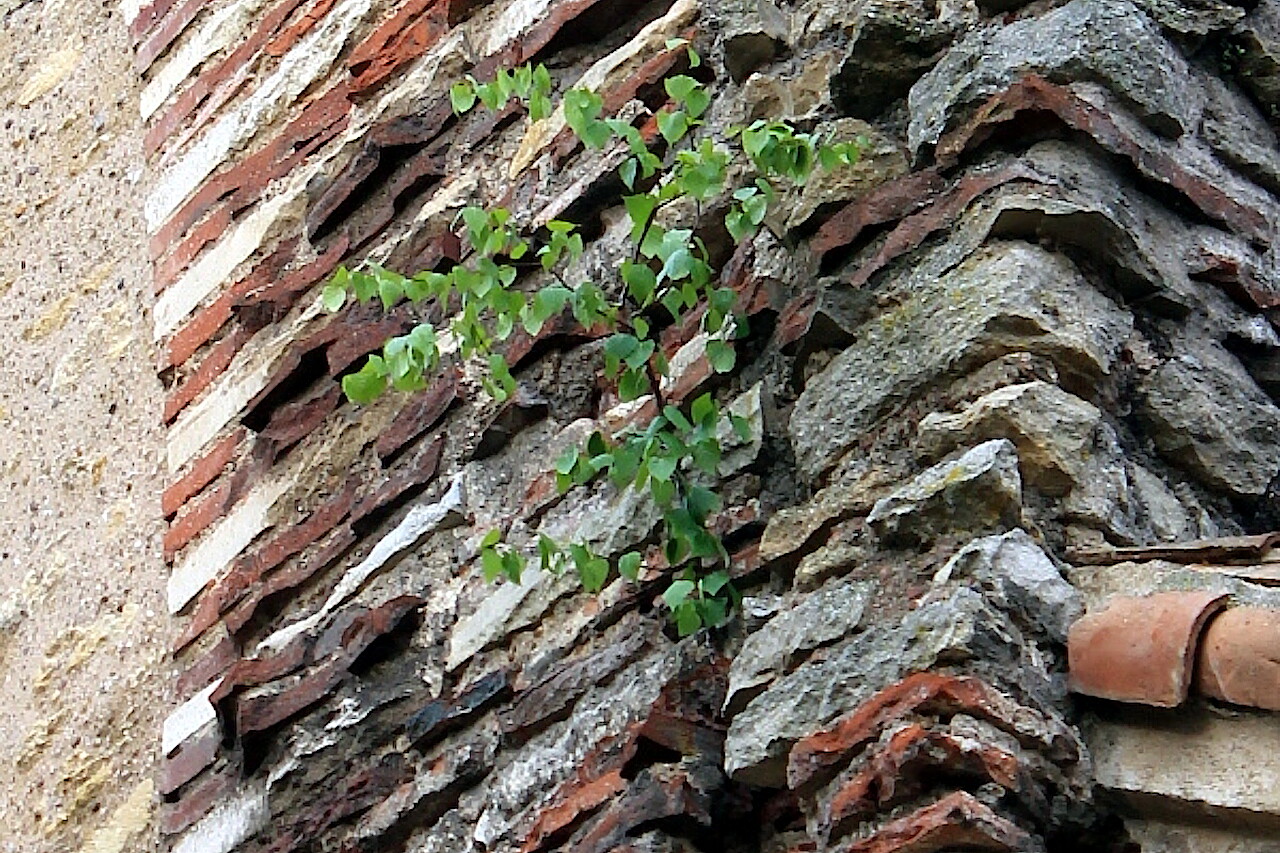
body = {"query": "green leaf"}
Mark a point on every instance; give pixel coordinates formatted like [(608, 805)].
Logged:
[(701, 502), (627, 171), (367, 384), (463, 96), (633, 385), (680, 86), (549, 556), (491, 564), (333, 297), (662, 467), (741, 426), (698, 101), (594, 573), (713, 612), (688, 619), (721, 356), (568, 460), (641, 282), (704, 410), (737, 224), (640, 208), (493, 537), (677, 418), (678, 593), (513, 566), (673, 125), (629, 565), (714, 582)]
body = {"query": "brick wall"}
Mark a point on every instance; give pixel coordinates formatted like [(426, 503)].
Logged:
[(1035, 323)]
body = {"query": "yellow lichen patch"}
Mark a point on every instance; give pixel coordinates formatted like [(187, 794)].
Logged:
[(85, 776), (77, 644), (39, 736), (127, 821), (50, 73), (53, 319)]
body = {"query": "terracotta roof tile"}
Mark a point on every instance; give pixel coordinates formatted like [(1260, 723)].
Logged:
[(1140, 649), (1239, 658)]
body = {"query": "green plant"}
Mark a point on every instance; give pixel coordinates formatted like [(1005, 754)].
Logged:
[(667, 275)]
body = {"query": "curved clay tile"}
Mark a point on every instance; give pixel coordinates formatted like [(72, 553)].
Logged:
[(1140, 649), (1239, 660)]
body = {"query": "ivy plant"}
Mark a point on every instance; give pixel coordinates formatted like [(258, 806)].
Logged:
[(673, 457)]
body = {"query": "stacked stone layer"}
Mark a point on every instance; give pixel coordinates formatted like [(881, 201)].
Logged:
[(1040, 316)]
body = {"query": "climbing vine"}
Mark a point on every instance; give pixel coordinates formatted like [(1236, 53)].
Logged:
[(674, 457)]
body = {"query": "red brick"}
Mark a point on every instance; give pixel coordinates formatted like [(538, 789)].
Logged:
[(1239, 659), (249, 568), (905, 765), (265, 710), (192, 756), (168, 28), (282, 290), (580, 799), (213, 365), (422, 413), (214, 663), (198, 801), (203, 472), (888, 202), (198, 330), (419, 470), (281, 43), (816, 758), (958, 821), (242, 185), (195, 519), (147, 18), (292, 574), (1034, 93), (251, 672), (405, 36), (1140, 649), (294, 421)]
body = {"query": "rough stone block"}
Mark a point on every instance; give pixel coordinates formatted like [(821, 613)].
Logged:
[(1006, 297), (980, 490), (1207, 413)]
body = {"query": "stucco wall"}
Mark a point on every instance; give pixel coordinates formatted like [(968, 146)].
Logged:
[(84, 680)]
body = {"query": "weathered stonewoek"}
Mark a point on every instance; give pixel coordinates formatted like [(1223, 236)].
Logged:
[(1037, 321)]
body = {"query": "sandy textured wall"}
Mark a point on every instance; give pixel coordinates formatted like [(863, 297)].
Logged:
[(83, 677)]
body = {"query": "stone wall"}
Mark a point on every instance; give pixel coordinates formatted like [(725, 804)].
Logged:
[(1036, 324), (84, 678)]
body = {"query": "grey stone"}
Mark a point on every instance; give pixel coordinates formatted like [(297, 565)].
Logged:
[(1109, 41), (1192, 17), (820, 617), (1258, 38), (1021, 578), (980, 490), (1206, 413), (1065, 448), (894, 42), (526, 778), (1166, 516), (753, 31), (1053, 430), (953, 629), (1006, 297)]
